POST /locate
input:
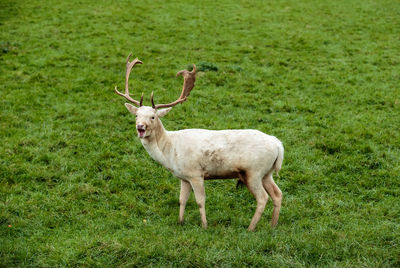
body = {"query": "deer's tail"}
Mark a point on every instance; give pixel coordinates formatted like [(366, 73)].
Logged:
[(279, 158)]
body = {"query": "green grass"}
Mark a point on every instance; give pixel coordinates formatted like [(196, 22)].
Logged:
[(78, 189)]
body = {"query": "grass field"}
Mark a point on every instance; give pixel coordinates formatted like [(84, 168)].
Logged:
[(78, 189)]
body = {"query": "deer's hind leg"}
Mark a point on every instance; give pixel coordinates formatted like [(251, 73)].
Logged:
[(276, 195), (255, 186)]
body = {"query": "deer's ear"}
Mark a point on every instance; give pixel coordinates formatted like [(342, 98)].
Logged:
[(131, 108), (163, 112)]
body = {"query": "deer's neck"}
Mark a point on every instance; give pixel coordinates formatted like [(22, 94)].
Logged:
[(158, 145)]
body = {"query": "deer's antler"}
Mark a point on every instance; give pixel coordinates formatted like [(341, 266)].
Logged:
[(188, 84), (129, 66)]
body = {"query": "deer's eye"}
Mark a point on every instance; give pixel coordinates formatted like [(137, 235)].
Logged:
[(152, 117)]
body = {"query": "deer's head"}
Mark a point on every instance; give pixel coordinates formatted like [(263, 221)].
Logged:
[(147, 118)]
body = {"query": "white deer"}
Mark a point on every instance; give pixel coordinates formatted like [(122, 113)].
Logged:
[(195, 155)]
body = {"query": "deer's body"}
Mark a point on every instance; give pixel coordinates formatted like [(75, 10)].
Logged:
[(213, 154), (195, 155)]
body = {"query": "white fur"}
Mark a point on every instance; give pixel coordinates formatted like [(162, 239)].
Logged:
[(194, 155)]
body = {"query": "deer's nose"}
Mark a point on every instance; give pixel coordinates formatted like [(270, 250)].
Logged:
[(139, 126)]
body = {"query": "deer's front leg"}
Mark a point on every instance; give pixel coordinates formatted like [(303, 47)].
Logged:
[(200, 195), (183, 198)]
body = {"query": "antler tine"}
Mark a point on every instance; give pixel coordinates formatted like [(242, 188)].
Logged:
[(141, 100), (152, 100), (129, 66), (188, 84)]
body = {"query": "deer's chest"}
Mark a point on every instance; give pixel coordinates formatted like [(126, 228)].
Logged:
[(157, 154)]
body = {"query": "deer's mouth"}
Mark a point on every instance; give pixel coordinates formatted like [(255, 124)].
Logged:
[(141, 131)]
